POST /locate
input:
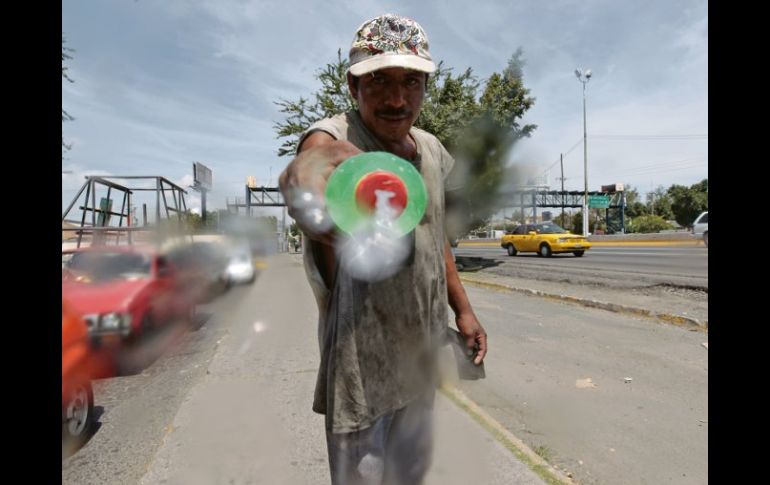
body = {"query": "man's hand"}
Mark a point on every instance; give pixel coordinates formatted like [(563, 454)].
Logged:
[(304, 181), (475, 336), (319, 156)]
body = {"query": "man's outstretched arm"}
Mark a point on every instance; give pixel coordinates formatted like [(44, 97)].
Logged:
[(309, 173)]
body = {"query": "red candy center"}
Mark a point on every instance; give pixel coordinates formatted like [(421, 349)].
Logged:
[(366, 196)]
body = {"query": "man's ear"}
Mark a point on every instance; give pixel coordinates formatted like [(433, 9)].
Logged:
[(352, 86)]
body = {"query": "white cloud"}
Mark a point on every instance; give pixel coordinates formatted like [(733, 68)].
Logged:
[(160, 85)]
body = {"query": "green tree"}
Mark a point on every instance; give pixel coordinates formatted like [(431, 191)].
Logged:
[(659, 203), (331, 99), (449, 103), (565, 220), (482, 146), (294, 229), (65, 56), (647, 224), (634, 206), (268, 224), (577, 223), (688, 202), (594, 222), (193, 222)]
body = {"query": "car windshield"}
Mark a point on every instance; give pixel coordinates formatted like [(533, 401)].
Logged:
[(107, 266), (550, 228)]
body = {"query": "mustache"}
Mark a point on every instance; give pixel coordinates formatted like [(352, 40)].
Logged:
[(394, 112)]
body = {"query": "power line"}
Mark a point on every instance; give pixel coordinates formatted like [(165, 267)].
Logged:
[(577, 144), (650, 137), (696, 136), (660, 167), (668, 163)]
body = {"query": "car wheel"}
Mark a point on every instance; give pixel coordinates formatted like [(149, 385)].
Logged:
[(511, 250), (579, 253), (545, 250), (78, 414), (706, 239)]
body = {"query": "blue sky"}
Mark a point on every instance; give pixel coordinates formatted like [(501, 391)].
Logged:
[(160, 84)]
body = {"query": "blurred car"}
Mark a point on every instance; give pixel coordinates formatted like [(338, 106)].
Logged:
[(545, 239), (202, 267), (124, 291), (240, 265), (700, 228), (77, 395)]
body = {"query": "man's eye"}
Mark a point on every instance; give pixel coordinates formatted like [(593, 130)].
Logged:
[(378, 80)]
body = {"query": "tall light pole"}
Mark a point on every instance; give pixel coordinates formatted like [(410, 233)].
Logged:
[(583, 77)]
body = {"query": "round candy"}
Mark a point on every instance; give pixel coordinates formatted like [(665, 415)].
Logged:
[(357, 184)]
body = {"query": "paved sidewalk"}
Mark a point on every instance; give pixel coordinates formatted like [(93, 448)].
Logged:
[(250, 420)]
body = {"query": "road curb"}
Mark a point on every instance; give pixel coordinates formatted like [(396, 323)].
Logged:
[(524, 453), (685, 243), (679, 320)]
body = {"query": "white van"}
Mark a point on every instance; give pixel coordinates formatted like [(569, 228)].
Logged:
[(701, 227)]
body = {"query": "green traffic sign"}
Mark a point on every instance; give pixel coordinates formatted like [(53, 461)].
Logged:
[(598, 201)]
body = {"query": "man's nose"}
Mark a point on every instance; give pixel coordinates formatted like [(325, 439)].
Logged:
[(395, 98)]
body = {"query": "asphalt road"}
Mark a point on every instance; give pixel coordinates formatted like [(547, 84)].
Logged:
[(628, 265), (651, 429)]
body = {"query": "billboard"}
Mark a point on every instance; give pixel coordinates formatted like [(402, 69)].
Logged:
[(612, 188), (202, 176)]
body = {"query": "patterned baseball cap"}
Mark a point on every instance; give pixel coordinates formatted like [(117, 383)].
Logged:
[(390, 41)]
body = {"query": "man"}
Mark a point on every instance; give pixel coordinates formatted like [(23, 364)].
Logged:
[(378, 340)]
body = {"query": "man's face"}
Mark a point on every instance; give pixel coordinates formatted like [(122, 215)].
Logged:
[(389, 101)]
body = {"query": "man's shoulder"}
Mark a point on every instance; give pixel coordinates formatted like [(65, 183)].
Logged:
[(331, 120), (426, 136), (336, 126), (433, 144)]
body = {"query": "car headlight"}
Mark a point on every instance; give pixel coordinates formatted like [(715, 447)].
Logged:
[(110, 321), (113, 323)]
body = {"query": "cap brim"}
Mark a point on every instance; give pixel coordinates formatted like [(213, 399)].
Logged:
[(384, 61)]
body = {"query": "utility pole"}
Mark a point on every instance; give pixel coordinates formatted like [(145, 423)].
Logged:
[(561, 161), (202, 182), (583, 77), (652, 198)]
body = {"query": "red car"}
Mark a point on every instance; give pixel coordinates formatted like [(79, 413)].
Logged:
[(77, 396), (124, 290)]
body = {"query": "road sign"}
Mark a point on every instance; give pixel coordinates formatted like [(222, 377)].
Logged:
[(598, 201), (105, 207)]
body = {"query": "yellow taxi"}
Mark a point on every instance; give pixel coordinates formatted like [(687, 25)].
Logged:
[(545, 239)]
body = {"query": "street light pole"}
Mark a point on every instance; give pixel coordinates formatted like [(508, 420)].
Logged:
[(583, 77)]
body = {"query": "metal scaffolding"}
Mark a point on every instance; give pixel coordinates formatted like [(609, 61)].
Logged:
[(256, 197), (533, 198), (96, 220)]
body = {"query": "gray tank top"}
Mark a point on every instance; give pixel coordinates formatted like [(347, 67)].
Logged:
[(377, 340)]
